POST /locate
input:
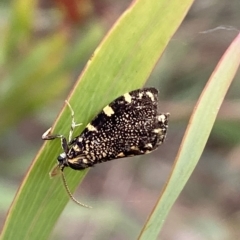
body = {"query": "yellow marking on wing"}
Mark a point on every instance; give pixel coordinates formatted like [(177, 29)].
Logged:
[(148, 151), (108, 111), (76, 148), (127, 97), (121, 154), (73, 160), (157, 130), (134, 148), (91, 127)]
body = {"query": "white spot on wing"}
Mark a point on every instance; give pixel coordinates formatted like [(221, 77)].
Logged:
[(149, 145), (161, 118), (150, 95), (140, 95), (85, 161)]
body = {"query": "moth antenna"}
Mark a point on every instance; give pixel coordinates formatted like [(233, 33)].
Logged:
[(70, 194)]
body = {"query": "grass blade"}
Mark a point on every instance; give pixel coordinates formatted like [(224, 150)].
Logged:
[(195, 138)]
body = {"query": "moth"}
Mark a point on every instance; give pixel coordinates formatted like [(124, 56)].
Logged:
[(128, 126)]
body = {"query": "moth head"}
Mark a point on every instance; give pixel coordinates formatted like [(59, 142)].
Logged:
[(58, 169), (62, 160)]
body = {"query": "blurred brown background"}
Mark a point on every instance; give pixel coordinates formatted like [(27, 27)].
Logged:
[(44, 49)]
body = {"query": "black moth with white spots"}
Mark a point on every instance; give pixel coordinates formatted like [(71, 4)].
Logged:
[(128, 126)]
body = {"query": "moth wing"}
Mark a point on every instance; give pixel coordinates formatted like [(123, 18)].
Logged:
[(123, 128)]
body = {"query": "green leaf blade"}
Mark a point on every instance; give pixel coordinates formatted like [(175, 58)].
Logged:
[(195, 138)]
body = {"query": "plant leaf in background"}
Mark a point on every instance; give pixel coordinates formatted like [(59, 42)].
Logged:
[(195, 138), (121, 63), (48, 64)]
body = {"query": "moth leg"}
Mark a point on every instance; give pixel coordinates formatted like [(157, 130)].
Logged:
[(48, 136), (73, 124)]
